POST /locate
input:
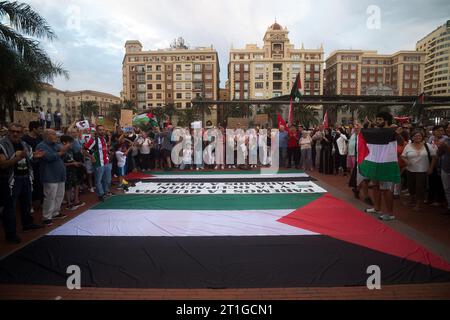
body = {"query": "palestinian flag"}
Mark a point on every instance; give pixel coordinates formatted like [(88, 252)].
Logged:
[(419, 100), (291, 234), (325, 120), (377, 154), (280, 121), (295, 95), (82, 125), (296, 89), (145, 119)]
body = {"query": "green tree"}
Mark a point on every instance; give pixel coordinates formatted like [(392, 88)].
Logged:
[(354, 109), (169, 111), (370, 112), (234, 111), (186, 117), (305, 115), (129, 105), (415, 110), (88, 109), (200, 109), (23, 64), (271, 110), (114, 111)]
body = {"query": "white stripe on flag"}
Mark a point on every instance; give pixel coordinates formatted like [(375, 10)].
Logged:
[(100, 152), (382, 153), (171, 223)]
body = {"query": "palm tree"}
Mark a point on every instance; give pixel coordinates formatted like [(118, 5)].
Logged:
[(114, 111), (234, 111), (23, 63), (370, 112), (129, 105), (186, 117), (416, 111), (272, 110), (200, 109), (169, 111), (89, 109), (306, 116), (352, 108)]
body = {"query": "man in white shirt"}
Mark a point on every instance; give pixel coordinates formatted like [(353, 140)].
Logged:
[(42, 117)]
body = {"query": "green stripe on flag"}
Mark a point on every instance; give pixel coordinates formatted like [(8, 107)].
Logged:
[(209, 202), (380, 171)]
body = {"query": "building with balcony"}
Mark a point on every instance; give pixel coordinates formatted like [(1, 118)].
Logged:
[(269, 71), (157, 78), (436, 46)]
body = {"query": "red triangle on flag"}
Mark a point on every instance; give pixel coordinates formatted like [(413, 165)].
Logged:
[(337, 219), (281, 121)]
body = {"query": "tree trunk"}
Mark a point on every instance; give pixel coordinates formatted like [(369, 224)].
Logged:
[(10, 101)]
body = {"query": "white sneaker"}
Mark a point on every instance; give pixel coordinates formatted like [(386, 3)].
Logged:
[(372, 210), (91, 190), (386, 217)]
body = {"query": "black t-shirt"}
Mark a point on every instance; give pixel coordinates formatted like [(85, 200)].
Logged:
[(21, 167), (32, 142)]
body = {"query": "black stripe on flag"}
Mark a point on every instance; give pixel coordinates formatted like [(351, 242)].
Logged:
[(208, 262), (378, 135)]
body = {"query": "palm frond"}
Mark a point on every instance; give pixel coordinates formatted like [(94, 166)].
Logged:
[(25, 20)]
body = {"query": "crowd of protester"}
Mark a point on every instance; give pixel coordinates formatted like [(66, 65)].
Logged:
[(48, 168)]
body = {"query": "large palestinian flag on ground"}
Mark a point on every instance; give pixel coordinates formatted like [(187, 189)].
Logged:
[(377, 154), (288, 232)]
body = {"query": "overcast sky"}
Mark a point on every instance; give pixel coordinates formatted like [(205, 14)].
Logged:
[(92, 33)]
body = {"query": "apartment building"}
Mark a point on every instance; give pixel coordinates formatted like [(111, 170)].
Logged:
[(157, 78), (359, 72), (436, 46), (269, 71)]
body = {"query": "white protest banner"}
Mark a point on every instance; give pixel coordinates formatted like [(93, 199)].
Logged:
[(225, 187), (196, 125)]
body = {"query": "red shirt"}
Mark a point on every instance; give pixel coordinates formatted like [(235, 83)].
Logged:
[(292, 139)]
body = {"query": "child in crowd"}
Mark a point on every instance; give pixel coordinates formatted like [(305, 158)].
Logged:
[(121, 156), (73, 180)]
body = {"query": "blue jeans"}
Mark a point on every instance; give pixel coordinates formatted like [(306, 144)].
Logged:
[(21, 191), (282, 157), (102, 179)]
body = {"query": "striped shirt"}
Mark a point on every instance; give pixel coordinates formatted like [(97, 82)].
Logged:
[(98, 147)]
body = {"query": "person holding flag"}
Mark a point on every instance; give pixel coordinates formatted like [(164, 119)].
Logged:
[(377, 161), (98, 149)]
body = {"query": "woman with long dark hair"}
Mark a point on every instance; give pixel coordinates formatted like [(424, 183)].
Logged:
[(326, 157)]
